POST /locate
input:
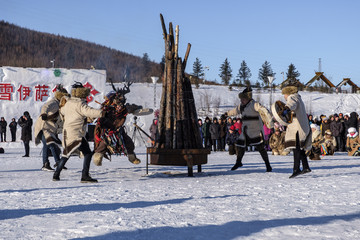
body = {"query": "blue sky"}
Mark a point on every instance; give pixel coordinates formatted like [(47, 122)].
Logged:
[(281, 32)]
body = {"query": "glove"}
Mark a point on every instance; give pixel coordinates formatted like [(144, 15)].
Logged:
[(348, 149), (285, 112), (44, 117)]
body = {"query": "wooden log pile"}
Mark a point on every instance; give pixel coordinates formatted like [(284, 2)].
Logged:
[(178, 126)]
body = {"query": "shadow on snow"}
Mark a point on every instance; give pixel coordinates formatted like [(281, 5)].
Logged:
[(226, 231), (19, 213)]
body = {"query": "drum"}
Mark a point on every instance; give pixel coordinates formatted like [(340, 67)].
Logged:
[(278, 108)]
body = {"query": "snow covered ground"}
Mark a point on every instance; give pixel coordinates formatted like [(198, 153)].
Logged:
[(167, 204)]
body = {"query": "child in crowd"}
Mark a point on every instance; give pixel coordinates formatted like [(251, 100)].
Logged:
[(329, 144), (353, 142)]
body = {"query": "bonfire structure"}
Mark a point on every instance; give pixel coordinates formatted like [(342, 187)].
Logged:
[(179, 142)]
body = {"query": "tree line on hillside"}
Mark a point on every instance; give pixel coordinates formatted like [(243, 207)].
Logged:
[(21, 47)]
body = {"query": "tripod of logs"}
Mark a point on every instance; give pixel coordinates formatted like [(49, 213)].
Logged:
[(179, 142)]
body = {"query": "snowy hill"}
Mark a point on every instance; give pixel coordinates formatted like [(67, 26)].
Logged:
[(167, 204)]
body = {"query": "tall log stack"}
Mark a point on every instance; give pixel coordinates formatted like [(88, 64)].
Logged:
[(179, 142), (178, 125)]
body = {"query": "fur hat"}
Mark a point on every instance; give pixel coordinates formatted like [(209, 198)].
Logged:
[(246, 94), (328, 132), (60, 92), (79, 91), (352, 129), (288, 90), (315, 126)]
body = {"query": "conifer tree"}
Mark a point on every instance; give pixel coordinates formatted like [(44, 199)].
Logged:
[(145, 62), (244, 75), (264, 72), (198, 70), (225, 72), (292, 74)]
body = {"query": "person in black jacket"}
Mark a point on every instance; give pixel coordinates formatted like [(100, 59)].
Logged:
[(223, 133), (353, 121), (26, 123), (337, 128), (13, 128), (215, 134), (206, 133), (3, 125)]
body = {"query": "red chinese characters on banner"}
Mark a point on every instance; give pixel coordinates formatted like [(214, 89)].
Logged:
[(24, 92), (41, 91), (6, 89), (93, 92)]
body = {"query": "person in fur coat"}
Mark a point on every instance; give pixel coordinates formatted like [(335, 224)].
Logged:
[(75, 113), (316, 139), (329, 144), (353, 142), (47, 127), (298, 133), (252, 127), (276, 143)]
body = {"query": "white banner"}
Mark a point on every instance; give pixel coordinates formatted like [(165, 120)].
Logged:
[(27, 89)]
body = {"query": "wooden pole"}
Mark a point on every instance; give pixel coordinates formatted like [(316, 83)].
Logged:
[(179, 108), (169, 108), (186, 56)]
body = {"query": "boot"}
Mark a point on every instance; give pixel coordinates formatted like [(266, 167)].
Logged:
[(237, 165), (240, 154), (97, 158), (55, 165), (133, 159), (305, 170), (88, 179), (47, 167), (265, 158), (295, 173), (56, 176)]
